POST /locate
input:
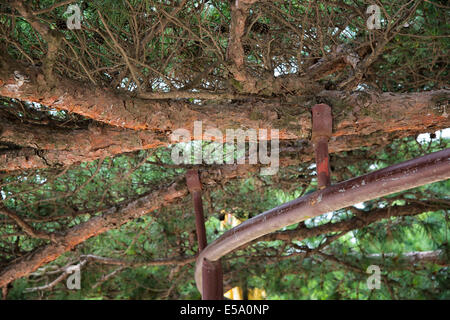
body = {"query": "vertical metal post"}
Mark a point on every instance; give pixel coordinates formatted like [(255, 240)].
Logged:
[(212, 270), (212, 285), (195, 188), (321, 133), (199, 220)]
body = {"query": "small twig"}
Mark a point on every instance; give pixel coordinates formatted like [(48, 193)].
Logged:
[(26, 227), (107, 277), (53, 7), (122, 51)]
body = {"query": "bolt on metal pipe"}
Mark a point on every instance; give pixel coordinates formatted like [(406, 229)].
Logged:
[(409, 174), (212, 271), (321, 133)]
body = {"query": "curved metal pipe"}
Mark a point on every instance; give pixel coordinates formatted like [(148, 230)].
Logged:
[(406, 175)]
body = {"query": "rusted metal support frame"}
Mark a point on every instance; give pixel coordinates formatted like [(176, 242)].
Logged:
[(321, 133), (212, 271), (406, 175)]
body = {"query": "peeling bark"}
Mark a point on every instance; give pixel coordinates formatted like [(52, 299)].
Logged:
[(69, 150), (359, 119), (44, 146), (358, 113)]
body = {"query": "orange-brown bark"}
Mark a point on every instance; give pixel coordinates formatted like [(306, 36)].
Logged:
[(138, 124), (356, 113), (45, 146), (113, 218), (110, 219)]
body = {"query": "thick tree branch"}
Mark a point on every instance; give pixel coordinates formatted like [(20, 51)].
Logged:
[(267, 85), (44, 146), (245, 82), (111, 219), (359, 112), (52, 147), (239, 14), (360, 119), (52, 37)]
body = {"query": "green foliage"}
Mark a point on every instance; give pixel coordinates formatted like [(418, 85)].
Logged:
[(171, 47)]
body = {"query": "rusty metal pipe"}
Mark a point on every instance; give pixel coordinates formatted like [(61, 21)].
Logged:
[(406, 175), (195, 188), (212, 288), (322, 162), (321, 133), (199, 220)]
